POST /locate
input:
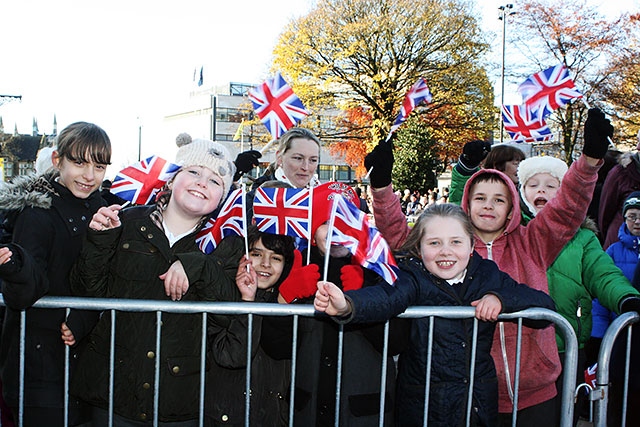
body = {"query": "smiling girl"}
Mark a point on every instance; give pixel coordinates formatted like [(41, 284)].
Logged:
[(50, 214), (137, 253), (438, 266)]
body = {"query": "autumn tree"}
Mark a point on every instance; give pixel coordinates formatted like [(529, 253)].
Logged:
[(622, 80), (364, 55), (573, 33)]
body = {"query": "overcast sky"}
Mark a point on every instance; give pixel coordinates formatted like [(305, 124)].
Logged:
[(114, 62)]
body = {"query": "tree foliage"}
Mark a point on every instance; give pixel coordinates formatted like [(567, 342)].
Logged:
[(572, 33), (364, 55), (621, 86), (418, 156)]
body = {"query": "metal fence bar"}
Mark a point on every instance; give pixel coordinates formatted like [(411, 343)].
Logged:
[(472, 369), (247, 384), (112, 363), (600, 395), (156, 379), (339, 373), (101, 304), (203, 368), (383, 377), (23, 327), (427, 381), (66, 379)]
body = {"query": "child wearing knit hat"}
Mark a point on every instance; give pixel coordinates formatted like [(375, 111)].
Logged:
[(582, 271), (150, 252)]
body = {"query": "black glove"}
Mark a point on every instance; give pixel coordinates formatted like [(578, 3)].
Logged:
[(597, 132), (246, 161), (381, 160), (630, 304), (473, 153)]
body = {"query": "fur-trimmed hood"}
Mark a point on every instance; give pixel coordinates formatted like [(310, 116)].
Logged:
[(27, 191)]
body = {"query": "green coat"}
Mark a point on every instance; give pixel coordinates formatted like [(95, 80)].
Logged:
[(581, 272)]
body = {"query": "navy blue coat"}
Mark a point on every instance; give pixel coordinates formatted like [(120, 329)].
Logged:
[(451, 354)]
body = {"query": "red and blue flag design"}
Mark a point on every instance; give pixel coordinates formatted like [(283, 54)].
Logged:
[(277, 106), (230, 221), (418, 94), (140, 182), (366, 244), (548, 90), (282, 211), (522, 124)]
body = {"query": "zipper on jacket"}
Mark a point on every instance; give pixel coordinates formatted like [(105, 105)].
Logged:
[(578, 316), (490, 250)]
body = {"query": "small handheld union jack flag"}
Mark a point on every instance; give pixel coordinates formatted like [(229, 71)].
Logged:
[(282, 211), (277, 106), (140, 182), (418, 94), (366, 244), (548, 90), (230, 221), (522, 124)]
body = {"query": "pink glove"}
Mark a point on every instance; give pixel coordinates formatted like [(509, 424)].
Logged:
[(352, 277), (301, 281)]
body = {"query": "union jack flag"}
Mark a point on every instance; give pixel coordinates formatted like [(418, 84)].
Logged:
[(522, 124), (548, 90), (277, 106), (418, 93), (282, 211), (366, 244), (140, 182), (230, 221)]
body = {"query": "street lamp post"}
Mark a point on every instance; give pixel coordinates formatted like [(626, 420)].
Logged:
[(505, 11)]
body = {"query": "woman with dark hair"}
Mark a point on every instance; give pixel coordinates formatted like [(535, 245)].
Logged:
[(505, 158)]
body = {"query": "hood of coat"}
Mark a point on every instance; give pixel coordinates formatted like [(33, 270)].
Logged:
[(27, 191), (627, 239), (514, 220)]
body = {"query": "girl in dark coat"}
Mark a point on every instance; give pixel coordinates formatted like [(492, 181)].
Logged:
[(138, 253), (440, 268), (54, 211)]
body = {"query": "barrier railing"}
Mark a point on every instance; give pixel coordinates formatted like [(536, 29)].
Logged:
[(261, 309), (600, 394)]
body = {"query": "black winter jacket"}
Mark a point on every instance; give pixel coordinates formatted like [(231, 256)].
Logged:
[(47, 236), (125, 262), (452, 339)]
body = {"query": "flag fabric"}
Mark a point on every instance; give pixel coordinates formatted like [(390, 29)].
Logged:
[(590, 375), (230, 221), (366, 244), (238, 134), (548, 90), (201, 79), (277, 106), (140, 182), (282, 211), (418, 93), (522, 124)]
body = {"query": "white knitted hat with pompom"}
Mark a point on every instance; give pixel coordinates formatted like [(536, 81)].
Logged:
[(207, 153), (535, 165)]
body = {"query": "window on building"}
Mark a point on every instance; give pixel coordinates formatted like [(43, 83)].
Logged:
[(336, 173)]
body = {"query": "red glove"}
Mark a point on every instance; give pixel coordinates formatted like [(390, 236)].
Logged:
[(352, 277), (302, 282)]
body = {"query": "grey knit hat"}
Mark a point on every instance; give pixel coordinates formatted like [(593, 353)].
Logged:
[(207, 153)]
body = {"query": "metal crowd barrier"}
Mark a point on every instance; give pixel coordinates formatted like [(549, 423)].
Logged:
[(600, 394), (263, 309)]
